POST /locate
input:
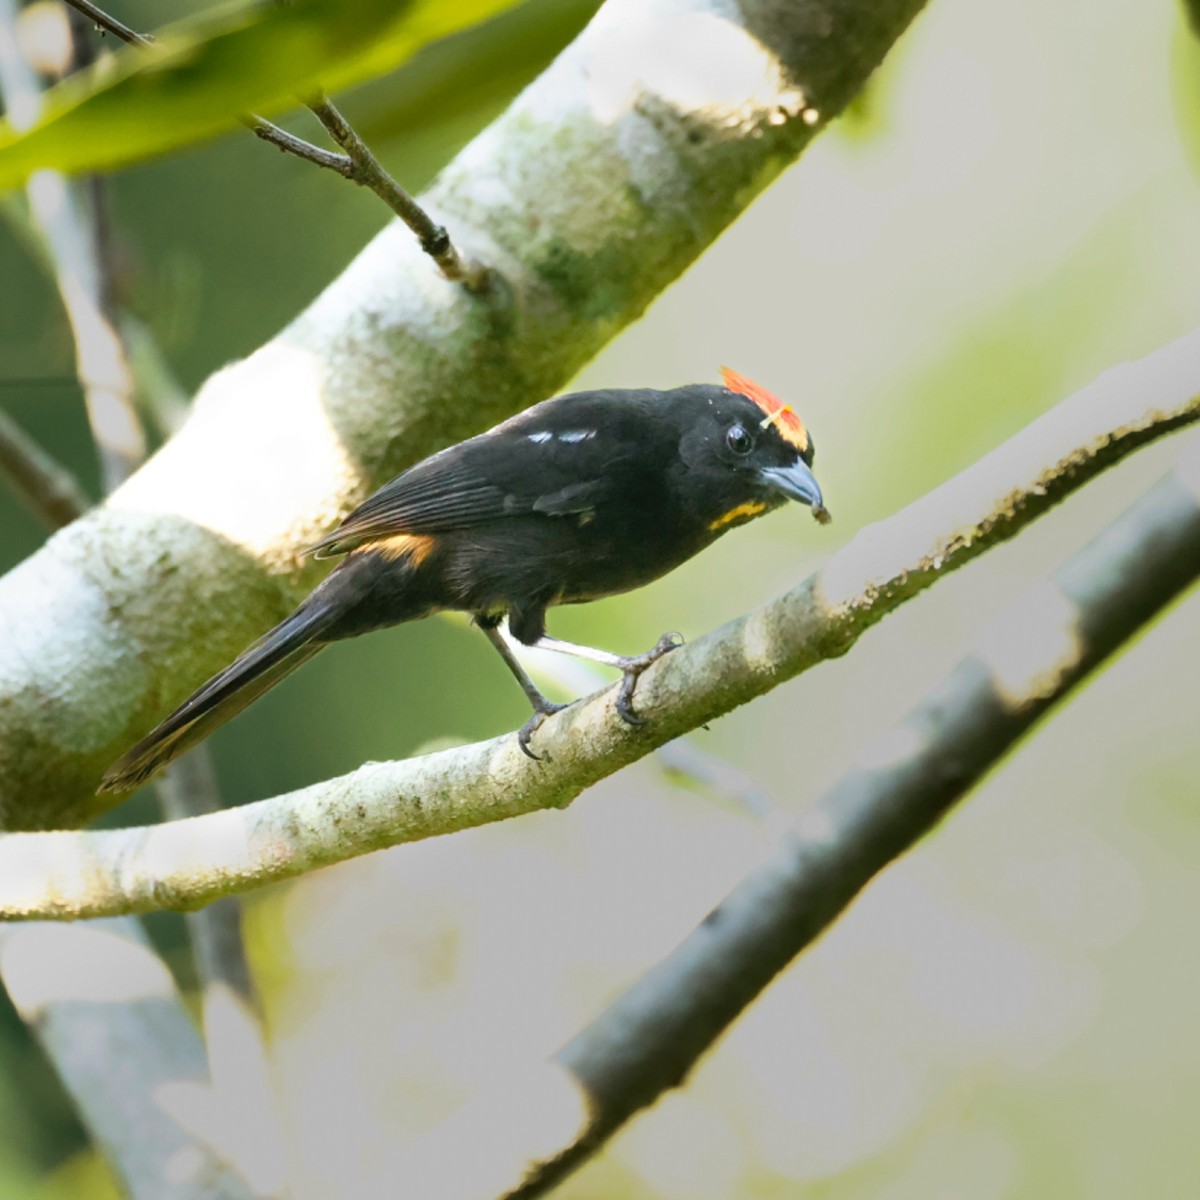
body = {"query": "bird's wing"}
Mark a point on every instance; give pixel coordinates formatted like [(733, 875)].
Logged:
[(556, 466)]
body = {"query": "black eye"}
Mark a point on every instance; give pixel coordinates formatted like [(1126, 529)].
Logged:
[(738, 440)]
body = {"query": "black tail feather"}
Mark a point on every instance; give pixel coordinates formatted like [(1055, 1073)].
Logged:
[(257, 670)]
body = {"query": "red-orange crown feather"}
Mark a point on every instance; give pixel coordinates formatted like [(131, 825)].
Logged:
[(776, 413)]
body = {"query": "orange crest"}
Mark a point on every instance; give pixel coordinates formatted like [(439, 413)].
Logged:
[(781, 415)]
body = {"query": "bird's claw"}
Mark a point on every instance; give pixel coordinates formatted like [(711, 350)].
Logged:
[(632, 669), (526, 732)]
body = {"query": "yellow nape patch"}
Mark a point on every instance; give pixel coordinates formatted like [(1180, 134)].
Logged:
[(743, 512), (413, 546)]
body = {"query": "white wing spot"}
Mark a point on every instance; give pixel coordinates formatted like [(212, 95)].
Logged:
[(577, 435), (541, 436)]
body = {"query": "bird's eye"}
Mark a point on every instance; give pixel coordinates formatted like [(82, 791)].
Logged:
[(738, 440)]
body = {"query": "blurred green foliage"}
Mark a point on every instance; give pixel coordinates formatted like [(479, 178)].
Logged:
[(198, 75), (1007, 1013)]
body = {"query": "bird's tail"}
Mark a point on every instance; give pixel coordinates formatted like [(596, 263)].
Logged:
[(258, 669)]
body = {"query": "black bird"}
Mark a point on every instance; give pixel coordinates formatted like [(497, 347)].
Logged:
[(578, 497)]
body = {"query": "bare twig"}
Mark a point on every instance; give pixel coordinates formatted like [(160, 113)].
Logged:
[(45, 486), (189, 863), (357, 164), (369, 172), (259, 126), (109, 24)]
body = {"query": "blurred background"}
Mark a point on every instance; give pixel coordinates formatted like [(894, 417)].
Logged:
[(1010, 1011)]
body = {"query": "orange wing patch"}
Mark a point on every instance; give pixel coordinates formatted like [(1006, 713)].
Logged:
[(781, 415), (413, 546)]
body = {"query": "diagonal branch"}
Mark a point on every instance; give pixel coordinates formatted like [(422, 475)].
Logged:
[(1027, 661), (189, 863)]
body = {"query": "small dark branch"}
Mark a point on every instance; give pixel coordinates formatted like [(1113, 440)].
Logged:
[(42, 483), (107, 24), (650, 1039), (368, 171), (341, 164)]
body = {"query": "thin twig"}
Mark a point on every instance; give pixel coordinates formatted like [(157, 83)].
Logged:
[(259, 126), (368, 171), (340, 164), (43, 484), (109, 24), (357, 164), (186, 864)]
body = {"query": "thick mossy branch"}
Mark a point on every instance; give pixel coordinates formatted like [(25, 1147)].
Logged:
[(188, 863)]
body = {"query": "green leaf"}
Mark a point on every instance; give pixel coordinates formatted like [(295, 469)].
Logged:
[(476, 72), (199, 75)]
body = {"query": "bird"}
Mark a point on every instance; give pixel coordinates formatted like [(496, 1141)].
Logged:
[(582, 496)]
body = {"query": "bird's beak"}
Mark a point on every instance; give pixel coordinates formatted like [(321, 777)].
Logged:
[(796, 482)]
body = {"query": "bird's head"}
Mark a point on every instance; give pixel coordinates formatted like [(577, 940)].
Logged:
[(753, 451)]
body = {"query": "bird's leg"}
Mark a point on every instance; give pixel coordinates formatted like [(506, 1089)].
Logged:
[(631, 668), (542, 708)]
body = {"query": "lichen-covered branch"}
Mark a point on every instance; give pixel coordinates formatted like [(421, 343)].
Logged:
[(604, 180), (188, 863)]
